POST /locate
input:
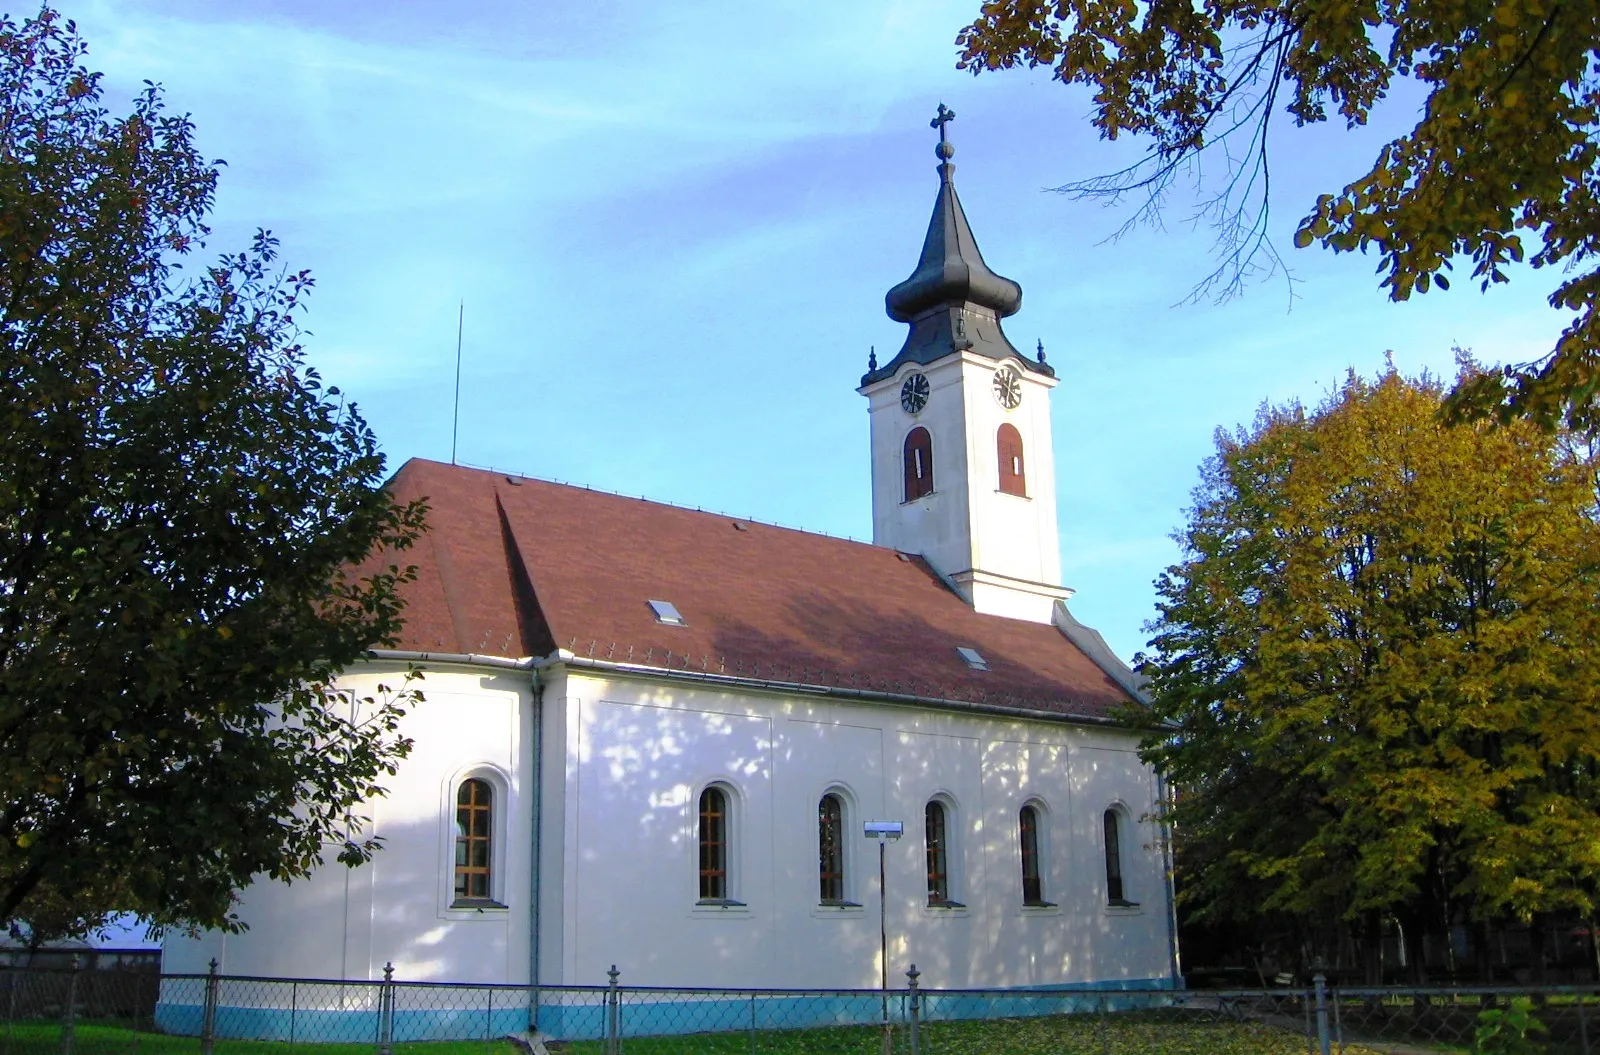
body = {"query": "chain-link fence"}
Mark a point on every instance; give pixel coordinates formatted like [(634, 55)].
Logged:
[(110, 1012)]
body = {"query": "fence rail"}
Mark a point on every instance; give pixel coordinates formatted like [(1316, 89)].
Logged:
[(111, 1012)]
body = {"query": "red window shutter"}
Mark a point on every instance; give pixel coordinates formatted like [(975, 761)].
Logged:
[(1013, 474)]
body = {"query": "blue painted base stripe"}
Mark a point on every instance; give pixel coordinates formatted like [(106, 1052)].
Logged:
[(656, 1013)]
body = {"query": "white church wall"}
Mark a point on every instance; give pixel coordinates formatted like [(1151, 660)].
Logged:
[(641, 751), (348, 923)]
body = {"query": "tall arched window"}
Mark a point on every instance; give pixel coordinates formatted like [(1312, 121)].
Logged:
[(474, 847), (713, 844), (936, 835), (918, 463), (1028, 832), (1013, 475), (1115, 893), (830, 844)]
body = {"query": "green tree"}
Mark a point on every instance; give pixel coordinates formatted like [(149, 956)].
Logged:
[(1373, 672), (1503, 166), (179, 498)]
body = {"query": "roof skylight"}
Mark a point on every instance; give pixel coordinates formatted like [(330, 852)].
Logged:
[(969, 656), (666, 612)]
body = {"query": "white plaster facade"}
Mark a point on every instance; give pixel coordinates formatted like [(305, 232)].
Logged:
[(619, 758)]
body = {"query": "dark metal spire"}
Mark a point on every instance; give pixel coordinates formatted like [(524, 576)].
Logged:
[(952, 300)]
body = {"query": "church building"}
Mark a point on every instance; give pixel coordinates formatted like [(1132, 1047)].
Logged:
[(653, 736)]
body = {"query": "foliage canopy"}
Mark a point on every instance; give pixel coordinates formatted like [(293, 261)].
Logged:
[(1503, 166), (178, 497), (1373, 673)]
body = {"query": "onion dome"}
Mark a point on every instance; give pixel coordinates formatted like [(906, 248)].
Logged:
[(952, 301)]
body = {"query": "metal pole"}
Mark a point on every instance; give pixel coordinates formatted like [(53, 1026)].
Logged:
[(69, 1015), (294, 1007), (208, 1016), (386, 1011), (916, 1008), (752, 1024), (1322, 1013), (613, 1041), (1583, 1025), (883, 944)]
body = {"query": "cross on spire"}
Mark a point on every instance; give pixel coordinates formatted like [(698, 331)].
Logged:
[(946, 115)]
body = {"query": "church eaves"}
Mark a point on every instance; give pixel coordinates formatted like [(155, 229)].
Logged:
[(953, 302)]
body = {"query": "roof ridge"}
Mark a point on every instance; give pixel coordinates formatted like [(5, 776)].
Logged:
[(508, 473)]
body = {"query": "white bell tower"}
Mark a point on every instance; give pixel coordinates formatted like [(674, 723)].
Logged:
[(963, 471)]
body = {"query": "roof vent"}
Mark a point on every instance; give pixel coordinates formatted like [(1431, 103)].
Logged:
[(904, 556), (969, 656), (667, 612), (739, 527)]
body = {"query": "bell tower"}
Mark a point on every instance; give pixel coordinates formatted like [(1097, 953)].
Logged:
[(963, 471)]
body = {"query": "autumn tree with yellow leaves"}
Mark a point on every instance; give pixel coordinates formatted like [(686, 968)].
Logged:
[(1375, 678)]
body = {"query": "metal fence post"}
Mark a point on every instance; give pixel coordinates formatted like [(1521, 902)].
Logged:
[(916, 1009), (1321, 983), (752, 1024), (69, 1014), (1583, 1025), (386, 1011), (208, 1015), (613, 1014), (294, 1008)]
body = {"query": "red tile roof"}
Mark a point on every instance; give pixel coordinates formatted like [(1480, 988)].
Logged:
[(520, 567)]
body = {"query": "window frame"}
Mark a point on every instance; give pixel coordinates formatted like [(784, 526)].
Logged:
[(941, 856), (474, 828), (841, 875), (500, 808), (1114, 825), (914, 449), (1040, 854), (729, 871)]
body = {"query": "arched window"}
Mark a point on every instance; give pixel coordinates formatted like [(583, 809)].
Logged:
[(713, 844), (1116, 893), (1013, 476), (936, 835), (830, 844), (1028, 832), (918, 463), (474, 843)]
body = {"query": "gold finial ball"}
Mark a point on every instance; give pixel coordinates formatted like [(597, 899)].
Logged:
[(944, 151)]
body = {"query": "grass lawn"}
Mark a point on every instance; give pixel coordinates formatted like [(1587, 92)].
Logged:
[(1058, 1035), (44, 1038)]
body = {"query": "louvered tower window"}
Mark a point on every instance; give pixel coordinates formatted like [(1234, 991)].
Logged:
[(1013, 475), (918, 463)]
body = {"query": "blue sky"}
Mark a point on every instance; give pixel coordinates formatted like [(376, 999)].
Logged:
[(673, 226)]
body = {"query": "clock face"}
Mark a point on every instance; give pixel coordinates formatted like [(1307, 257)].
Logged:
[(1007, 387), (914, 394)]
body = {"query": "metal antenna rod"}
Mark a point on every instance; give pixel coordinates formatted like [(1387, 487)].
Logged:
[(455, 415)]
